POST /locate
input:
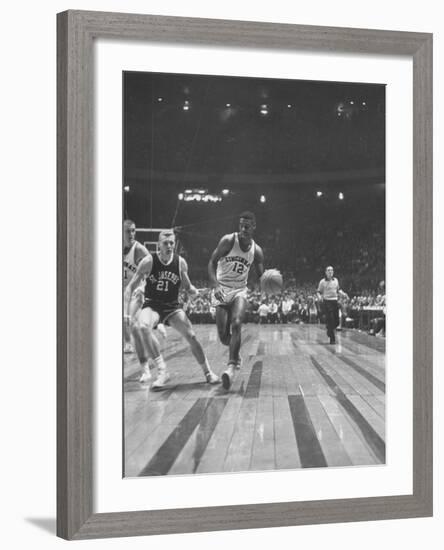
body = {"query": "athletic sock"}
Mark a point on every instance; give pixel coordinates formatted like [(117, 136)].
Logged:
[(160, 363), (205, 366)]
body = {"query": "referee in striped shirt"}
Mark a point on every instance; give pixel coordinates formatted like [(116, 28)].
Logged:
[(328, 292)]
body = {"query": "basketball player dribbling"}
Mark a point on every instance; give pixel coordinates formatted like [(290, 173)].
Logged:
[(165, 273), (228, 271)]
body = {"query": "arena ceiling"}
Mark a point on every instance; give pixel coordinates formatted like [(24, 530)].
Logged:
[(216, 130)]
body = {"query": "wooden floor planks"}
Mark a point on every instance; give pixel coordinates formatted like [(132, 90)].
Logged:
[(192, 427)]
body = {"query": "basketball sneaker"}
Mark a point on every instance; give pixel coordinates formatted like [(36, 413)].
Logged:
[(161, 380), (212, 378), (227, 377), (146, 374)]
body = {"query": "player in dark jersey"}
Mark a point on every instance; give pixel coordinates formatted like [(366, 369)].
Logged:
[(165, 273)]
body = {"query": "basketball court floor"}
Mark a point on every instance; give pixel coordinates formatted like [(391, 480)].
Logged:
[(296, 402)]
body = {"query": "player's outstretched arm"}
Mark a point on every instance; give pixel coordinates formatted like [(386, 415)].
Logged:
[(185, 279), (141, 252), (222, 249), (259, 261), (143, 270)]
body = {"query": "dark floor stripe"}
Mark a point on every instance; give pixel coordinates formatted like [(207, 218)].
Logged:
[(254, 382), (206, 428), (350, 346), (167, 454), (370, 377), (373, 342), (294, 339), (310, 450), (375, 442), (246, 339), (162, 395)]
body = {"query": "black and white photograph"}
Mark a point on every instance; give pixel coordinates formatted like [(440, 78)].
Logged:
[(254, 295), (222, 193)]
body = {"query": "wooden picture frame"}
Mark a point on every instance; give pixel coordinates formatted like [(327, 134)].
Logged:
[(77, 31)]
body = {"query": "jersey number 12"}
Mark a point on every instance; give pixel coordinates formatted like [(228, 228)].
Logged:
[(238, 268)]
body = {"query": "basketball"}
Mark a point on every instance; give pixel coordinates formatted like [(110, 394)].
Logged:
[(271, 281)]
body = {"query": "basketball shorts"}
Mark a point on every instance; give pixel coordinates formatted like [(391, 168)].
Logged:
[(165, 311), (229, 295)]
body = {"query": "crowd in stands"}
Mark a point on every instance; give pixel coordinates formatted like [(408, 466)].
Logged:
[(296, 304), (299, 237)]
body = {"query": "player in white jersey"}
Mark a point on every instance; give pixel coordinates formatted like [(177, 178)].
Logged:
[(133, 252), (228, 270)]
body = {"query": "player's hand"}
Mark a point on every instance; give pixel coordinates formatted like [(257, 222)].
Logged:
[(219, 293), (192, 291), (138, 292), (127, 320)]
